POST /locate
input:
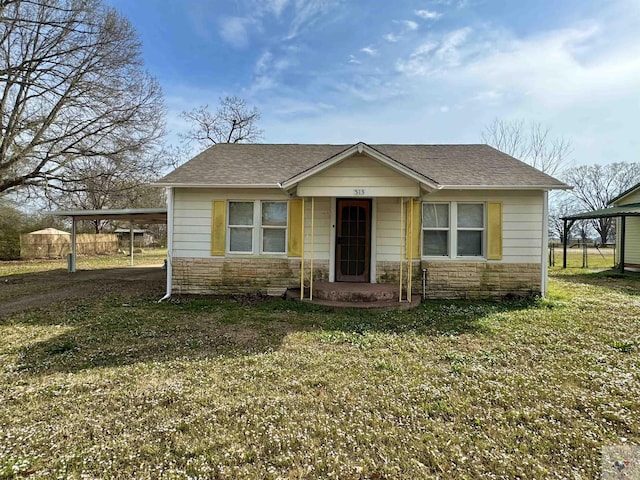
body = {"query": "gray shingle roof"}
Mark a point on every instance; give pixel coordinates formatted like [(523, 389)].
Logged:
[(271, 164)]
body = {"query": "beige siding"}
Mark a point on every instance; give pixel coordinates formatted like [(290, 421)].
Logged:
[(632, 240), (522, 219), (389, 237), (322, 228), (192, 217), (369, 177)]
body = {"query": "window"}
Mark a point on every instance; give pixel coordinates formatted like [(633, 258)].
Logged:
[(274, 227), (453, 227), (470, 231), (435, 229), (257, 223), (241, 227)]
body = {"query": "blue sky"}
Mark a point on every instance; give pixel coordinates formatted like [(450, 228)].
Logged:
[(414, 71)]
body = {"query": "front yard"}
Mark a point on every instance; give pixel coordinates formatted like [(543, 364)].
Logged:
[(124, 387)]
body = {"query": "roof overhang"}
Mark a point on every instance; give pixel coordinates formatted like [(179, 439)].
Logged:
[(137, 215), (624, 194), (219, 185), (506, 187), (363, 149)]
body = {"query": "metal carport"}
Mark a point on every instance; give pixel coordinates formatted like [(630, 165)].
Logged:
[(135, 216), (632, 210)]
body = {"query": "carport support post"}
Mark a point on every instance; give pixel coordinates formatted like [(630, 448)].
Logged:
[(622, 240), (72, 268), (564, 244), (131, 241)]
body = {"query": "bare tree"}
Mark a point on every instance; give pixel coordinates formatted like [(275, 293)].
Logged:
[(530, 142), (232, 122), (562, 206), (110, 182), (595, 185), (72, 88)]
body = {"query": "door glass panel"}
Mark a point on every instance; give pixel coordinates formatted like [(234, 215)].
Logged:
[(353, 240)]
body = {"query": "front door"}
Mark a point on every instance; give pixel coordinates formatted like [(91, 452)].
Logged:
[(353, 240)]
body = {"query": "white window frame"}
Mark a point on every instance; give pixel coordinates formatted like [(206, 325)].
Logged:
[(483, 230), (251, 227), (256, 229), (453, 232), (284, 227), (435, 229)]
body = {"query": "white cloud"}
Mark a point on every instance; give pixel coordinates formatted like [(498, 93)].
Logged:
[(233, 31), (409, 24), (427, 14), (391, 38), (369, 51), (354, 60)]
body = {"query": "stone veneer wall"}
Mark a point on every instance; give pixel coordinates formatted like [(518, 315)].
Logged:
[(220, 276), (274, 275), (467, 279), (482, 279)]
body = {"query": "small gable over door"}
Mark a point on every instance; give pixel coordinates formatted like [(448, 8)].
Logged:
[(358, 176)]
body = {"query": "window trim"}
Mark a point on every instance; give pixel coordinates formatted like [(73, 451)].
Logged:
[(284, 227), (257, 229), (435, 229), (453, 232), (249, 227), (482, 230)]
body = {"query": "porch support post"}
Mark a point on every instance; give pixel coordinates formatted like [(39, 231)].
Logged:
[(131, 242), (72, 266), (622, 241), (410, 250), (401, 243), (312, 249), (564, 244), (302, 255)]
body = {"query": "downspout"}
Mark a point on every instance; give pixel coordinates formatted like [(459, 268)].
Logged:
[(545, 244), (169, 243)]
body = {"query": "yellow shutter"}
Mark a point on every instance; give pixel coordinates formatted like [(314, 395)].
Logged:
[(494, 231), (218, 227), (294, 226), (413, 229)]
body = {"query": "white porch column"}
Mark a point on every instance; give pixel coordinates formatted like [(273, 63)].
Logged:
[(131, 242)]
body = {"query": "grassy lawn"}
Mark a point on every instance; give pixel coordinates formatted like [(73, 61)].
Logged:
[(123, 387), (596, 258), (147, 257)]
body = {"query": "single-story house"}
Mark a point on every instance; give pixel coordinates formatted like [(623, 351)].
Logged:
[(254, 217), (625, 208)]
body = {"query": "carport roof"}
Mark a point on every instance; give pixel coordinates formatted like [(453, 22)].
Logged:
[(138, 215), (631, 210)]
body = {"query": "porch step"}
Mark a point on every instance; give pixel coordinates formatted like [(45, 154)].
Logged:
[(355, 292), (294, 295)]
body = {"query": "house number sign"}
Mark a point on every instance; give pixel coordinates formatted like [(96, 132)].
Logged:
[(359, 191)]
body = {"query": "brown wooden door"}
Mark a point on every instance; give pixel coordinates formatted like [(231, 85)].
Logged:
[(353, 240)]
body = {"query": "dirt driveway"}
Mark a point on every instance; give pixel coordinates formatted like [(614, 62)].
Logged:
[(24, 292)]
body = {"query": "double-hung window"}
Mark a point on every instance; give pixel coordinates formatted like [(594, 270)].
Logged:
[(435, 229), (257, 227), (274, 227), (453, 229), (241, 220), (470, 233)]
